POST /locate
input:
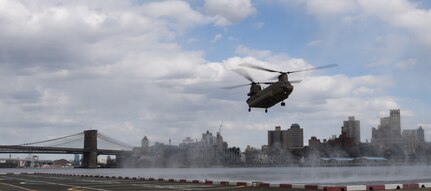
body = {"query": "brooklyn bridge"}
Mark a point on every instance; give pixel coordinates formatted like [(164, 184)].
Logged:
[(89, 143)]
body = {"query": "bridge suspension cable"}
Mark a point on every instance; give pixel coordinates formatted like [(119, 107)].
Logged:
[(67, 142), (51, 140), (77, 141), (114, 141)]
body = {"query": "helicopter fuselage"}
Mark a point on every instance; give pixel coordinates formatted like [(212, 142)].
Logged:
[(271, 95), (276, 92)]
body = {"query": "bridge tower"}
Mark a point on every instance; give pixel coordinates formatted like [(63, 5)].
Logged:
[(89, 156)]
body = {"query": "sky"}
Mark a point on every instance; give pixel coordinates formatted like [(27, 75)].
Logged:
[(131, 69)]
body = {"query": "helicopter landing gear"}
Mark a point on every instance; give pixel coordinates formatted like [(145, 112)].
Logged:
[(283, 104), (266, 110), (249, 109)]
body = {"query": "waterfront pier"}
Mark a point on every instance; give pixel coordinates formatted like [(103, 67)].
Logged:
[(51, 182)]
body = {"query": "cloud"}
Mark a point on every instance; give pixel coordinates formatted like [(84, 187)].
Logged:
[(259, 25), (328, 98), (388, 49), (314, 43), (403, 14), (73, 66), (226, 12), (331, 7), (177, 13), (397, 46), (216, 38), (406, 64), (243, 50), (117, 67)]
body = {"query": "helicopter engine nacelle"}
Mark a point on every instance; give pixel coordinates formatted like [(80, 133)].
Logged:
[(288, 88), (254, 88)]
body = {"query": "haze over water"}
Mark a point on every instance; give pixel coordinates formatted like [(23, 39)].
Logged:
[(290, 175)]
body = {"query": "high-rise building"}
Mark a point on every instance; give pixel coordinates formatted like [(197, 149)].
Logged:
[(313, 142), (76, 161), (277, 138), (188, 140), (412, 139), (219, 141), (389, 130), (208, 138), (210, 150), (295, 137), (421, 134), (352, 129), (393, 122), (145, 144)]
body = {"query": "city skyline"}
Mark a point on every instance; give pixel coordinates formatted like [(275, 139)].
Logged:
[(388, 134), (283, 137), (157, 68)]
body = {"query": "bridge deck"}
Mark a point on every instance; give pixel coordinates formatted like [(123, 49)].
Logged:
[(52, 150)]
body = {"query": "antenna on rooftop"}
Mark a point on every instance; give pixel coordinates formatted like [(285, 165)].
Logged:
[(219, 129)]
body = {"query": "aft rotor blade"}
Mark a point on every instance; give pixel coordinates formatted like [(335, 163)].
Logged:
[(314, 68), (244, 74), (295, 81), (259, 68)]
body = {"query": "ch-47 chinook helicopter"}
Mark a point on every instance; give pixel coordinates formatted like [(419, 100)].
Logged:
[(276, 92)]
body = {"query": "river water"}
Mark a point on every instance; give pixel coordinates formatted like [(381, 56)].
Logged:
[(290, 175)]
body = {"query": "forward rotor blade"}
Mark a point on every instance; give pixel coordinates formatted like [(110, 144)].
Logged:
[(274, 78), (314, 68), (237, 86), (244, 74), (260, 68), (265, 82)]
